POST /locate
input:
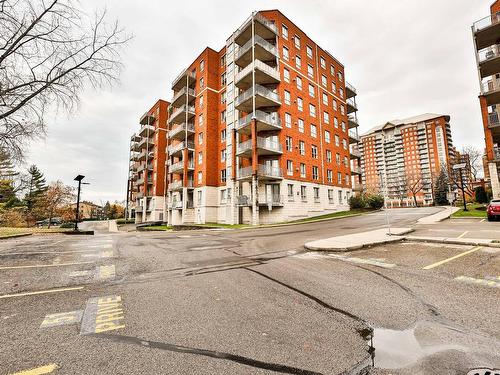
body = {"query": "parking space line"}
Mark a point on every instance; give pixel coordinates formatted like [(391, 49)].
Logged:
[(482, 220), (434, 265), (463, 234), (39, 370), (50, 252), (41, 292), (44, 265)]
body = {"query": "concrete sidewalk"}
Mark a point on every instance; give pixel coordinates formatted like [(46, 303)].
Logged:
[(438, 217), (455, 241), (358, 240)]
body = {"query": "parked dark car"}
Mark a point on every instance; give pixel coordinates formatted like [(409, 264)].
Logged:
[(494, 210)]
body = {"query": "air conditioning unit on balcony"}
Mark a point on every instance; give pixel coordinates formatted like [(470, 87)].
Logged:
[(490, 54)]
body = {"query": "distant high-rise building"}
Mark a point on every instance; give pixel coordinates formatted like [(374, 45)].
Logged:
[(486, 35), (401, 158)]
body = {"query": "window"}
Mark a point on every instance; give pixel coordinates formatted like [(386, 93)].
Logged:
[(315, 174), (326, 117), (300, 104), (202, 65), (341, 76), (327, 136), (301, 125), (223, 135), (334, 104), (285, 53), (290, 192), (223, 155), (288, 142), (328, 156), (332, 70), (202, 83), (223, 97), (337, 158), (325, 99), (334, 87), (311, 91), (200, 177), (322, 61), (343, 126), (296, 39), (302, 148), (314, 132), (200, 101), (223, 116), (339, 178), (336, 122), (223, 79), (324, 81), (314, 151), (344, 144), (223, 60), (337, 140), (200, 157), (298, 62), (200, 193), (288, 120), (223, 175), (330, 196), (316, 194), (200, 119), (312, 110), (299, 83), (309, 52), (284, 32), (200, 138), (310, 71), (340, 196), (302, 170), (341, 92), (289, 167), (329, 175), (287, 97), (286, 75), (303, 193), (342, 109), (345, 161), (223, 194)]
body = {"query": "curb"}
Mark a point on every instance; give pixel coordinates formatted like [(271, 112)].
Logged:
[(351, 248), (79, 233), (477, 242), (15, 236)]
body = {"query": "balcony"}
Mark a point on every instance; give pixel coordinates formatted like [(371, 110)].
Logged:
[(355, 169), (491, 91), (489, 61), (139, 195), (179, 167), (176, 205), (134, 146), (142, 181), (184, 96), (264, 75), (147, 119), (262, 26), (186, 78), (355, 153), (264, 172), (135, 138), (350, 91), (178, 116), (264, 98), (145, 166), (146, 143), (182, 131), (147, 131), (264, 51), (486, 31), (353, 121), (351, 105), (265, 146), (275, 200), (265, 122), (145, 155), (353, 136), (176, 150), (496, 155)]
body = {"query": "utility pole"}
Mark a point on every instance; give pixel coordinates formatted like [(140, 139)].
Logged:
[(78, 178)]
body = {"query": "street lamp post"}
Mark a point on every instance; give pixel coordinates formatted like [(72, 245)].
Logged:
[(78, 178), (459, 167)]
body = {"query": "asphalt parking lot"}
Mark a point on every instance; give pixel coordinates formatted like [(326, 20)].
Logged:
[(247, 302)]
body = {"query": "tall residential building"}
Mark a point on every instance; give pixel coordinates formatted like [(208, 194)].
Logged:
[(486, 35), (260, 131), (146, 182), (402, 158)]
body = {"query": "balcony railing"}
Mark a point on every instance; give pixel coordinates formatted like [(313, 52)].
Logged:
[(260, 41), (182, 109), (257, 64), (486, 22), (146, 130), (146, 142), (259, 90), (274, 200), (269, 144), (354, 135), (180, 146), (351, 105), (493, 119), (490, 86), (189, 127), (182, 92), (356, 169), (271, 119), (489, 53), (177, 205), (350, 90), (176, 167), (183, 74), (143, 166)]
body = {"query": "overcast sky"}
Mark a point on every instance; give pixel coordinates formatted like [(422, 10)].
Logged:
[(405, 57)]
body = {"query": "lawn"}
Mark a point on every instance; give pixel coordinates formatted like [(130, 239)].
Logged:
[(156, 228), (6, 232), (333, 215), (474, 210)]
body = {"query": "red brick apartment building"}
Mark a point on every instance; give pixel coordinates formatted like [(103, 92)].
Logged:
[(486, 35), (405, 156), (262, 131)]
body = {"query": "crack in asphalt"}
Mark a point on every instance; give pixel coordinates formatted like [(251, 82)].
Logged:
[(209, 353)]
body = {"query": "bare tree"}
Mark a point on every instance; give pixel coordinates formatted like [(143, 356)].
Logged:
[(475, 160), (414, 184), (54, 199), (49, 50)]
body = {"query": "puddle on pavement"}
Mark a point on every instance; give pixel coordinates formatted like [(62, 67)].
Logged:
[(398, 349)]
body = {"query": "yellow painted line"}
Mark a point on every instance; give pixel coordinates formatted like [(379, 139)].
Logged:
[(39, 370), (452, 258), (44, 265), (463, 234), (41, 292)]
